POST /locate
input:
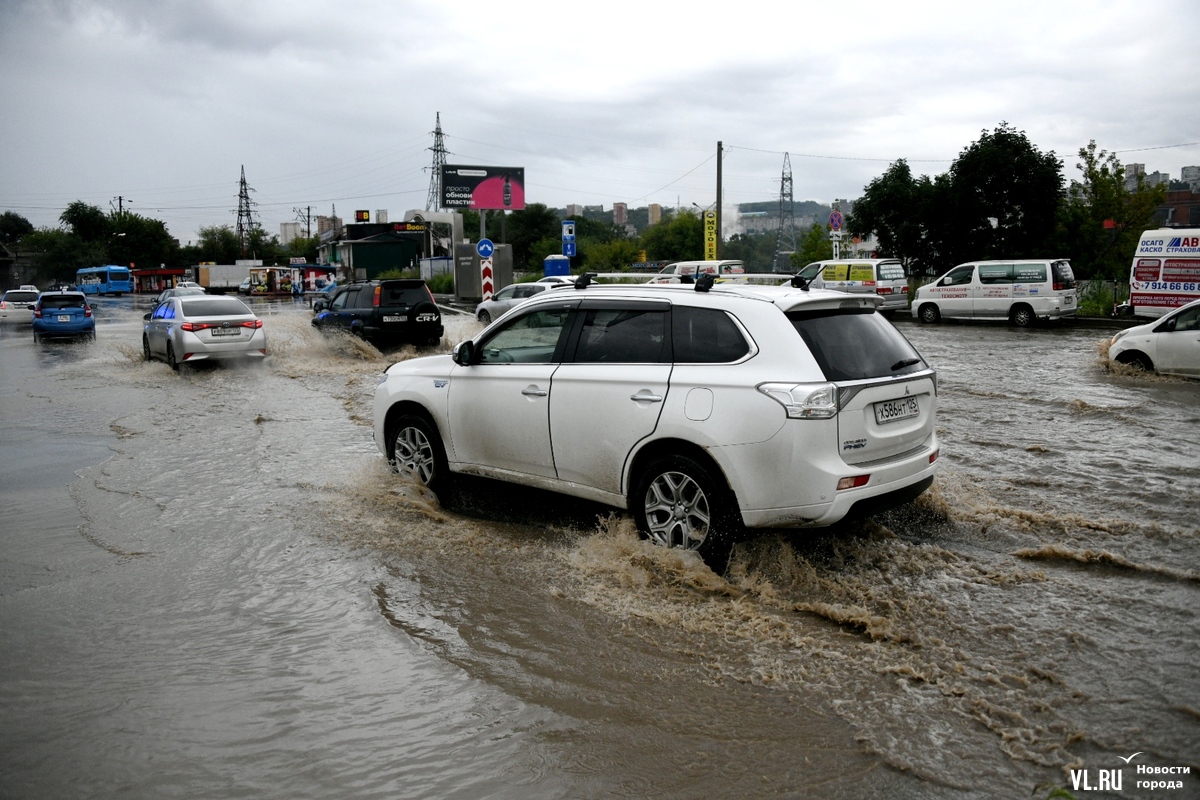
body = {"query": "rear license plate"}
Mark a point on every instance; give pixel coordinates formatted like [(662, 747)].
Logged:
[(394, 318), (892, 410), (225, 331), (64, 318)]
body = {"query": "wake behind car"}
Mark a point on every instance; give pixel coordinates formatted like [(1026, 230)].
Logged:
[(383, 312), (702, 410), (63, 315), (1170, 345), (192, 328)]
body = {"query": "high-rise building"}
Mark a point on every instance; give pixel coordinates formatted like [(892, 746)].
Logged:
[(289, 232), (574, 210), (620, 213), (326, 224), (655, 215), (1191, 176)]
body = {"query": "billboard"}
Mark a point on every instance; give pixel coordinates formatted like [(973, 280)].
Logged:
[(492, 188)]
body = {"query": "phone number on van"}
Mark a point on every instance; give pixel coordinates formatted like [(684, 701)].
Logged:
[(1159, 286)]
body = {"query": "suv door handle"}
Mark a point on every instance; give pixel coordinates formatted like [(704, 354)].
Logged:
[(533, 391), (645, 398)]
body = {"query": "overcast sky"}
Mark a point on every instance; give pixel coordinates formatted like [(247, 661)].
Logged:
[(162, 103)]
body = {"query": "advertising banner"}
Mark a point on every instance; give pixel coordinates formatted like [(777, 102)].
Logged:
[(710, 235), (488, 188)]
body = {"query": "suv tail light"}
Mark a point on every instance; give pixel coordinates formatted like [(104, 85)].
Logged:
[(87, 311), (378, 294), (804, 400)]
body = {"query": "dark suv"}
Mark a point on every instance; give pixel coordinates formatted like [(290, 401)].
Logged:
[(383, 312)]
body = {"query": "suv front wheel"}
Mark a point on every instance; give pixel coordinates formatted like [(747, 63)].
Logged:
[(417, 451), (677, 502)]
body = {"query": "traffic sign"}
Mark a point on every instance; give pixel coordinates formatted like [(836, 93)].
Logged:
[(568, 230), (485, 248), (835, 220), (569, 248)]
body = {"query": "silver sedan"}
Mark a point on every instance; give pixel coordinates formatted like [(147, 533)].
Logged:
[(193, 328)]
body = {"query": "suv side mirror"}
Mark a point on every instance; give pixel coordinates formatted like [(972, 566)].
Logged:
[(463, 353)]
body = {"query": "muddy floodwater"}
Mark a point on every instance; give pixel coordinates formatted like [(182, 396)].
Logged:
[(212, 586)]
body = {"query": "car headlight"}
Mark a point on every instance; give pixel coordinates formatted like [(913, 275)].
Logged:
[(804, 400)]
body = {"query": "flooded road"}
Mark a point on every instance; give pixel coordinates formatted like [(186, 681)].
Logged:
[(211, 585)]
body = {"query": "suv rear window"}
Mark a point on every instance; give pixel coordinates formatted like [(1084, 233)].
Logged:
[(63, 301), (402, 293), (855, 344), (705, 336), (21, 297)]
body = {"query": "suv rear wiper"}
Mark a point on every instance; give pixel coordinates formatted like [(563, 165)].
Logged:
[(908, 362)]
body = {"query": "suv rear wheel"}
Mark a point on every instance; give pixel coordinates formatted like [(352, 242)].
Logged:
[(677, 502)]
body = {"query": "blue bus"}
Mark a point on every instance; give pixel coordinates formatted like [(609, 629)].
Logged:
[(109, 279)]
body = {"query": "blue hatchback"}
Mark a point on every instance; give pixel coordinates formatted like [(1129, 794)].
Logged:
[(63, 314)]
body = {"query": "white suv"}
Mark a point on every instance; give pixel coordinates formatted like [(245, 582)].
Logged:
[(701, 409)]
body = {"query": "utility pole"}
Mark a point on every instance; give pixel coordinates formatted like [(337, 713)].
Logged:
[(434, 200), (785, 233), (245, 220), (304, 216), (720, 156)]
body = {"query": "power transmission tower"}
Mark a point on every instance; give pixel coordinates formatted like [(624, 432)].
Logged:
[(434, 201), (245, 221), (785, 235), (304, 217)]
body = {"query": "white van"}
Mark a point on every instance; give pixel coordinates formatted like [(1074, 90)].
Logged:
[(674, 273), (1166, 271), (882, 276), (1018, 290)]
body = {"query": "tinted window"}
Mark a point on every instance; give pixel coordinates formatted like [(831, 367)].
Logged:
[(855, 345), (891, 271), (958, 276), (159, 312), (365, 297), (63, 301), (530, 339), (341, 298), (403, 293), (213, 307), (1063, 275), (990, 274), (21, 297), (1029, 273), (623, 337), (705, 336)]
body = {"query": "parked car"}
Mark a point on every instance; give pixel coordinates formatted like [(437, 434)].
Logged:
[(506, 298), (16, 305), (882, 276), (1169, 345), (191, 328), (701, 409), (245, 287), (63, 315), (558, 280), (383, 312), (180, 291), (1021, 291)]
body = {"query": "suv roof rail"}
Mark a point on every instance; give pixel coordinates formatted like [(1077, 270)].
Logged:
[(584, 280)]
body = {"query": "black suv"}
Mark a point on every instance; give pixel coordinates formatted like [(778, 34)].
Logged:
[(383, 312)]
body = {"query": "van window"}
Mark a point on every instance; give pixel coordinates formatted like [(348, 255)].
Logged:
[(1029, 273), (958, 276), (811, 271), (991, 274), (1064, 277), (891, 271)]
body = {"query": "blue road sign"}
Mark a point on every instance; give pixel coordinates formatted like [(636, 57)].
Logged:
[(569, 248), (485, 248)]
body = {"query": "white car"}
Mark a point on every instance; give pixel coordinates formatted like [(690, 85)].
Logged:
[(16, 305), (702, 409), (1169, 345)]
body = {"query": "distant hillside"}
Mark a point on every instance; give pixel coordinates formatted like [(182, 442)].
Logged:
[(809, 208)]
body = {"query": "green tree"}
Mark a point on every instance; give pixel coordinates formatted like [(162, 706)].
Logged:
[(1005, 196), (13, 226), (815, 246), (87, 222), (1101, 219), (755, 250), (58, 254), (610, 256), (891, 208), (140, 241), (219, 244), (679, 239)]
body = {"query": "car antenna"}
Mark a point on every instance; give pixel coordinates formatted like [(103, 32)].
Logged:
[(799, 282), (584, 280), (705, 282)]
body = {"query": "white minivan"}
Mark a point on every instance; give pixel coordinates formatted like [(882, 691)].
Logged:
[(1018, 290), (684, 271), (882, 276)]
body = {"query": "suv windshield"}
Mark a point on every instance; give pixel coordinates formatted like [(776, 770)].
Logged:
[(851, 345)]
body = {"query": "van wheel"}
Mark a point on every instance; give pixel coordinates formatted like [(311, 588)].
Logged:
[(930, 314), (1022, 316), (678, 502), (416, 450)]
